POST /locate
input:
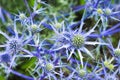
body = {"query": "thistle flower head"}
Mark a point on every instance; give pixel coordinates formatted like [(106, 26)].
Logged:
[(49, 66), (99, 11), (78, 40), (22, 16), (34, 27), (82, 72), (117, 52), (14, 45), (108, 11), (58, 25), (109, 65), (110, 75)]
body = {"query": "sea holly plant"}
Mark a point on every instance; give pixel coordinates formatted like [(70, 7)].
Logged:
[(14, 45), (61, 40), (76, 40), (115, 53), (16, 42)]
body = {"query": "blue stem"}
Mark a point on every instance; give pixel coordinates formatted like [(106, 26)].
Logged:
[(21, 75), (109, 30), (28, 8)]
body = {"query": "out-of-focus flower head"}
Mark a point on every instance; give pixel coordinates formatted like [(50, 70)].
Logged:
[(15, 43)]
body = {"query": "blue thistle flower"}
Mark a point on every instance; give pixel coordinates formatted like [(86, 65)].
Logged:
[(74, 40), (48, 67), (15, 43), (108, 64), (102, 8), (114, 51), (62, 56), (22, 17), (34, 27), (110, 75), (84, 73)]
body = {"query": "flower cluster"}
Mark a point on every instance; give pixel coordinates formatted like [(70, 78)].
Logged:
[(50, 44)]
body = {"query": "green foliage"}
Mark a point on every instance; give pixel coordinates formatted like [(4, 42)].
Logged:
[(13, 5), (29, 63), (2, 77), (81, 2)]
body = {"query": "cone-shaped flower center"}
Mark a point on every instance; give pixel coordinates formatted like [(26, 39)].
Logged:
[(14, 45), (108, 11), (49, 66), (34, 27), (58, 25), (117, 52), (82, 72), (109, 65), (99, 10), (22, 16), (78, 40)]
